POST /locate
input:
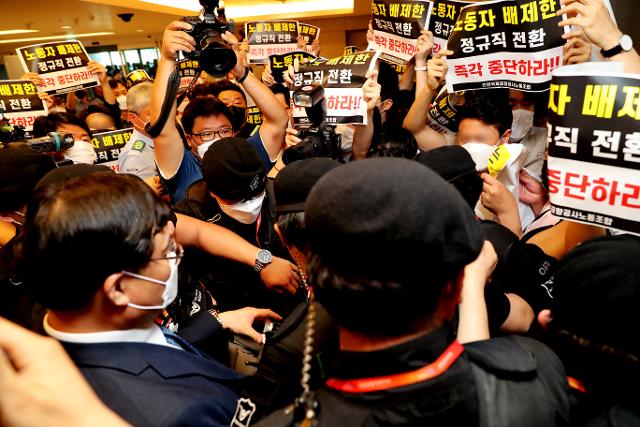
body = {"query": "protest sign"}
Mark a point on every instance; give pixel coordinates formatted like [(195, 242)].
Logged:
[(20, 103), (348, 50), (270, 38), (280, 63), (594, 148), (310, 33), (108, 146), (254, 116), (188, 70), (443, 111), (396, 27), (342, 79), (505, 44), (443, 18), (62, 66)]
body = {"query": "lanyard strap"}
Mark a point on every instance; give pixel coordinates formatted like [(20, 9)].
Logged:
[(576, 385), (432, 370)]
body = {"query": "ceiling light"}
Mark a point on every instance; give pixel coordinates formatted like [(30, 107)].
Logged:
[(66, 27), (267, 9), (139, 30), (58, 37), (8, 32)]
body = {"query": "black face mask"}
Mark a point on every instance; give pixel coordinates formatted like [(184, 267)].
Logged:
[(238, 115)]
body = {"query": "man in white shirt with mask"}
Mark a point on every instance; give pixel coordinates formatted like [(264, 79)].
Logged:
[(124, 273), (137, 155)]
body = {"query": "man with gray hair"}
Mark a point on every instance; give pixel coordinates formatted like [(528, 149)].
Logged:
[(137, 155)]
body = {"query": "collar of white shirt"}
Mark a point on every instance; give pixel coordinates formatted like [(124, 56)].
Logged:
[(150, 335)]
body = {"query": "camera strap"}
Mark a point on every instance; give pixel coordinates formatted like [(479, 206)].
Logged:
[(173, 85)]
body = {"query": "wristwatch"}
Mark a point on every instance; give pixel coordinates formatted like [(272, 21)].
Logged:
[(625, 44), (263, 259)]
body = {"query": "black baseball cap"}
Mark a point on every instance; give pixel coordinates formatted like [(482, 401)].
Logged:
[(233, 169)]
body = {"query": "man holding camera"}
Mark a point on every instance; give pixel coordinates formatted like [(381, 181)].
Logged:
[(180, 167)]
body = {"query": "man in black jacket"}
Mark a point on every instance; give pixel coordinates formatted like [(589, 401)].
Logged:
[(391, 246)]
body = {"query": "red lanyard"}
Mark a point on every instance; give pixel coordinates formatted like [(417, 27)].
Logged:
[(432, 370), (576, 385), (258, 222)]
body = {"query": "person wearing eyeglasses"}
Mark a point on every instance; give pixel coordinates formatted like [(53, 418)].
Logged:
[(206, 119), (102, 308)]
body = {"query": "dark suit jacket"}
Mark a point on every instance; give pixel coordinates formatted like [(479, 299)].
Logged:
[(153, 385)]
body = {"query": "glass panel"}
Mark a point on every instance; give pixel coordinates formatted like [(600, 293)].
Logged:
[(148, 56), (115, 58), (101, 57), (133, 59)]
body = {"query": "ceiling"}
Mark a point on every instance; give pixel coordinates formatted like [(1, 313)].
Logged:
[(150, 17)]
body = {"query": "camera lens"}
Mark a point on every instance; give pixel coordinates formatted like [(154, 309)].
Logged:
[(309, 147), (216, 57)]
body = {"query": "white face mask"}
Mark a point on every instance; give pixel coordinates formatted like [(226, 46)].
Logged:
[(170, 286), (204, 147), (81, 152), (122, 102), (245, 212), (480, 153), (522, 124)]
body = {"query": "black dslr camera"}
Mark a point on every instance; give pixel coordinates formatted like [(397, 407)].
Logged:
[(319, 139), (212, 52)]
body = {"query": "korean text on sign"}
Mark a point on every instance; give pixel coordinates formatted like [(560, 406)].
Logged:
[(506, 43), (594, 149), (342, 79), (61, 65), (270, 38), (109, 144), (20, 103), (396, 27)]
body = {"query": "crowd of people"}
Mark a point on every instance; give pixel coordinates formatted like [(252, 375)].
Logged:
[(398, 283)]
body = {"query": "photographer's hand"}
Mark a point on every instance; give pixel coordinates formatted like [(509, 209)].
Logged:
[(175, 40), (240, 321), (231, 39), (290, 138)]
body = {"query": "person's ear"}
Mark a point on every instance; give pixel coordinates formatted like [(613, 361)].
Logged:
[(544, 318), (506, 136), (114, 291), (192, 144), (131, 116)]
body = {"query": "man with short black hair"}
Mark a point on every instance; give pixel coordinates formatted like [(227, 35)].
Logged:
[(121, 240), (391, 246), (178, 166), (82, 150)]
